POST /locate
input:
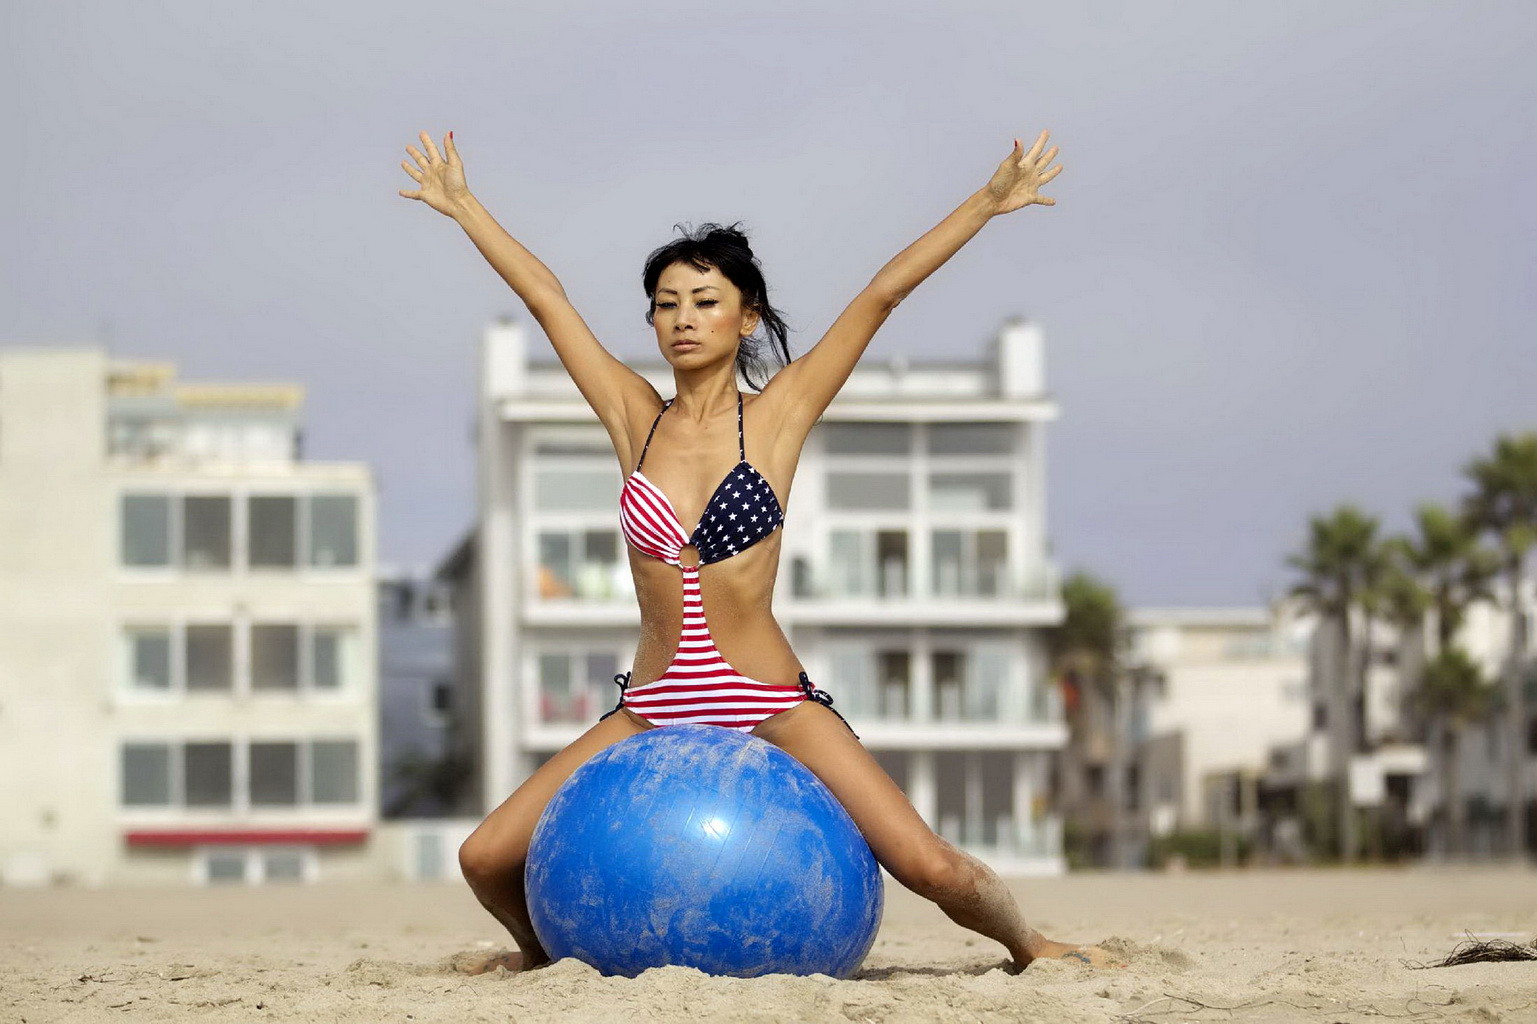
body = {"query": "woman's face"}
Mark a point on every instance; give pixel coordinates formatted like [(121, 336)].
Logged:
[(698, 316)]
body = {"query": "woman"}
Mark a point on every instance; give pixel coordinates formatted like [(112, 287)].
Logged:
[(721, 460)]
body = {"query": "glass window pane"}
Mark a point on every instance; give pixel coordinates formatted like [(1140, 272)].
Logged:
[(992, 561), (226, 866), (150, 658), (210, 656), (856, 491), (334, 771), (555, 575), (867, 438), (947, 553), (597, 573), (969, 492), (851, 564), (275, 656), (283, 865), (273, 530), (555, 687), (332, 651), (146, 775), (146, 529), (577, 489), (274, 774), (597, 692), (971, 438), (209, 775), (333, 529), (206, 531)]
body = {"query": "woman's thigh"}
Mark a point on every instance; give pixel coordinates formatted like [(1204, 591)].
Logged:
[(500, 843), (898, 836)]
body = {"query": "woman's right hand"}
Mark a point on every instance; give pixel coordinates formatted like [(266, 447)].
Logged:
[(442, 181)]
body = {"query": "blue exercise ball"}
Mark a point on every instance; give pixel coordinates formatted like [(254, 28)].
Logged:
[(702, 847)]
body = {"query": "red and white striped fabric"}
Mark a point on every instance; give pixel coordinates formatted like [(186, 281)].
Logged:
[(648, 521), (700, 686)]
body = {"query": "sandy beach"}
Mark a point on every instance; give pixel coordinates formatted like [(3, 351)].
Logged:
[(1261, 946)]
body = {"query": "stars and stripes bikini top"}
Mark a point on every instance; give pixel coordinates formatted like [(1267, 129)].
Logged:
[(742, 511)]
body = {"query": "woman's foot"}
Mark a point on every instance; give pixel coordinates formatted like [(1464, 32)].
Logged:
[(475, 961), (1091, 956)]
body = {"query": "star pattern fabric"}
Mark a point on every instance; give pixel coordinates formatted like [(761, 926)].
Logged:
[(742, 512)]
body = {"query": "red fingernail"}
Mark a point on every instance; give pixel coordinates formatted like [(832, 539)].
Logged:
[(450, 133)]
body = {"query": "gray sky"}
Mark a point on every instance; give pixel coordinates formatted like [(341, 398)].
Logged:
[(1290, 263)]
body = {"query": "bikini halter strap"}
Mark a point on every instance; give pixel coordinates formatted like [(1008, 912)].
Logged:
[(653, 432)]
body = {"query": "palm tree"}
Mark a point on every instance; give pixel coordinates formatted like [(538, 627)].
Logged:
[(1448, 571), (1452, 693), (1085, 655), (1504, 503), (1343, 558)]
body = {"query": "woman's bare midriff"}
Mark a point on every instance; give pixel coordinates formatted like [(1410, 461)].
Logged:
[(737, 593)]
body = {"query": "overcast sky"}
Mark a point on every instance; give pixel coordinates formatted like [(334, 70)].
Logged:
[(1290, 263)]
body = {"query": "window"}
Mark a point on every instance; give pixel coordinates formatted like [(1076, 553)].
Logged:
[(275, 656), (200, 774), (208, 780), (334, 771), (159, 658), (850, 491), (272, 530), (969, 685), (254, 865), (970, 492), (867, 438), (333, 531), (149, 654), (332, 657), (146, 529), (198, 528), (867, 563), (972, 438), (210, 657), (575, 488), (582, 564), (205, 531), (274, 774), (146, 775), (969, 563), (576, 686)]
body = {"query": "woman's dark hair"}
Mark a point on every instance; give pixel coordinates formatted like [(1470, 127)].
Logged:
[(726, 249)]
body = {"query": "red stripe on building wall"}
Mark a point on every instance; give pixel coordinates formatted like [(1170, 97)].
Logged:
[(195, 837)]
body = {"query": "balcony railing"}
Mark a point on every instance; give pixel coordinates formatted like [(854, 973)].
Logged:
[(896, 582)]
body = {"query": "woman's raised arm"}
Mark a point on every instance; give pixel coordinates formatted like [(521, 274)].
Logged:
[(605, 382), (807, 386)]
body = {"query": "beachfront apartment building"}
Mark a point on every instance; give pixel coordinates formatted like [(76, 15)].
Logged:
[(1232, 684), (187, 632), (915, 583)]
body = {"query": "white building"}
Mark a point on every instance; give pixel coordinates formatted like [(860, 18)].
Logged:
[(915, 585), (187, 632), (1235, 684)]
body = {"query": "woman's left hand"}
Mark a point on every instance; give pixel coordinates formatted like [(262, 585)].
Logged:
[(1017, 179)]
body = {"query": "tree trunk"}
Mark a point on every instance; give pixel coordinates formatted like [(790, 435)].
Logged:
[(1345, 731), (1456, 807), (1515, 692)]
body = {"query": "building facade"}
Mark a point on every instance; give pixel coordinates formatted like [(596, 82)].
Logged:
[(187, 632), (915, 583)]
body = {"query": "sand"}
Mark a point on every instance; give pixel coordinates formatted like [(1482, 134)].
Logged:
[(1264, 946)]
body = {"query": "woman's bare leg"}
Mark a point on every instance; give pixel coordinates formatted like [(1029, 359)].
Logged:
[(968, 891), (493, 856)]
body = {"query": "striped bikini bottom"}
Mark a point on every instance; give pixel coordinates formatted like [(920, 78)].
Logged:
[(700, 686)]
